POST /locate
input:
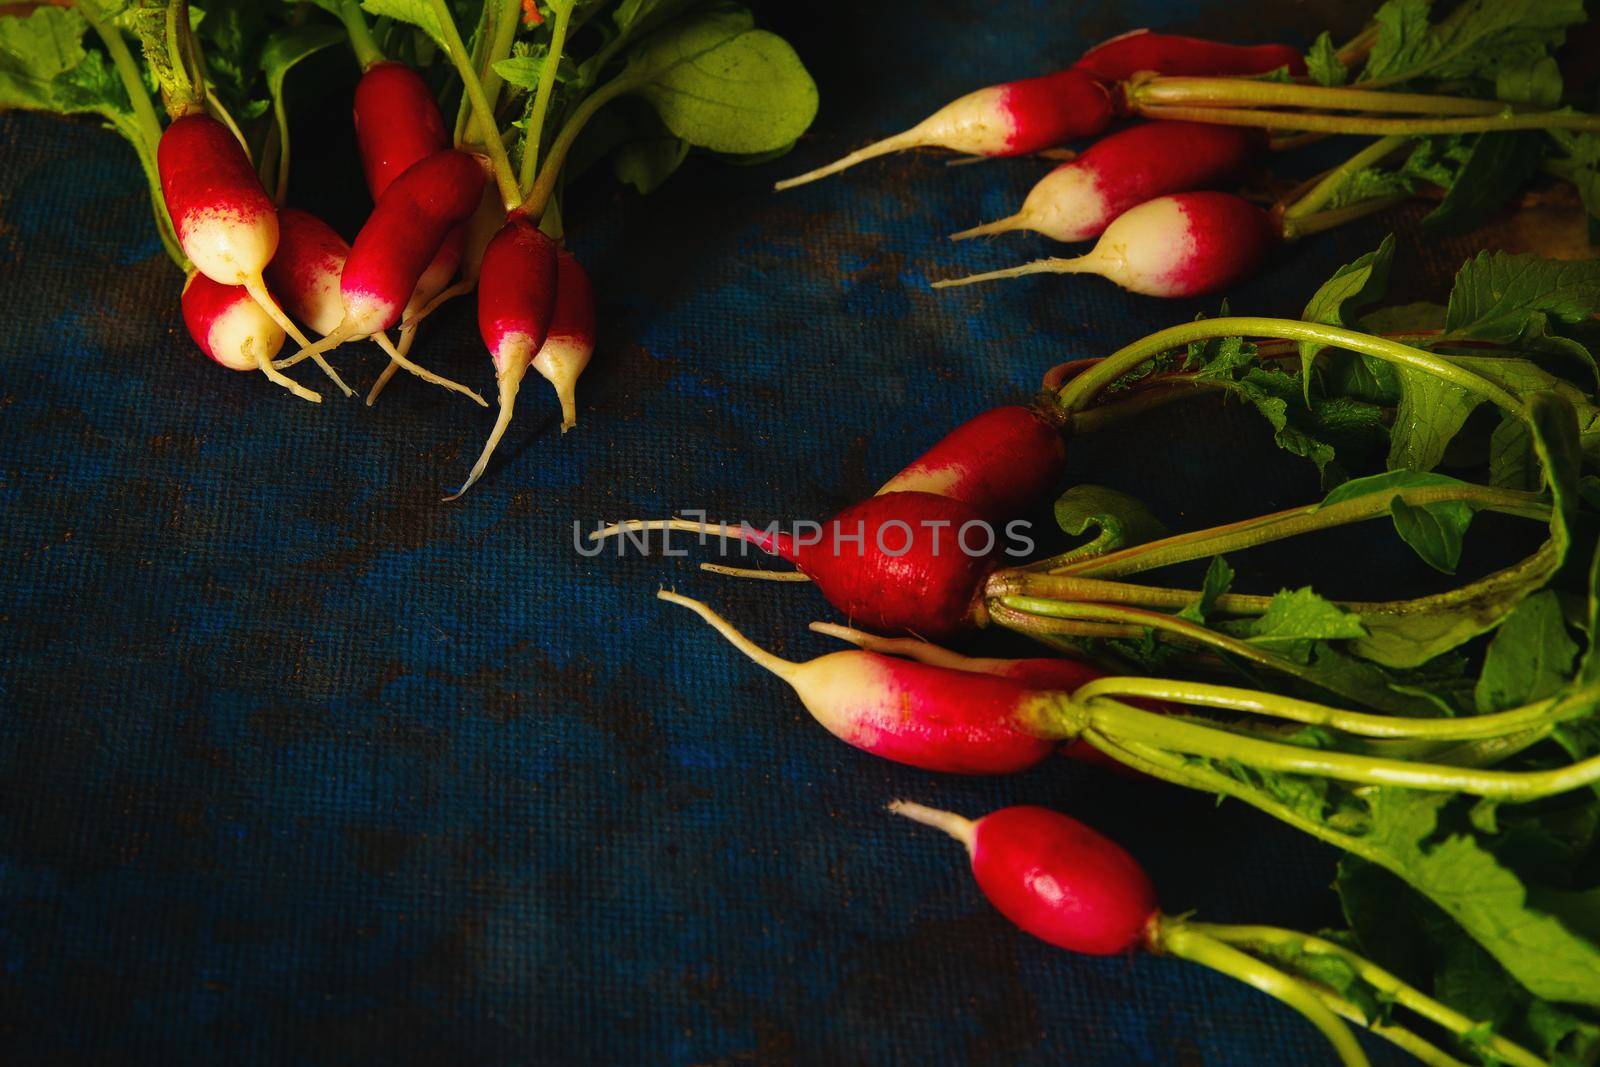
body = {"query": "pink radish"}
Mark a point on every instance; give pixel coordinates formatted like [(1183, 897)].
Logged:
[(1187, 244), (306, 272), (397, 123), (1011, 119), (569, 345), (1002, 462), (1163, 53), (225, 222), (232, 329), (401, 237), (901, 562), (929, 717), (516, 300), (1079, 199)]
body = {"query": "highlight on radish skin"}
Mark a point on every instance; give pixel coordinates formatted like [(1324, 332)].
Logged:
[(914, 713), (569, 345), (1079, 199), (1187, 244), (1011, 119)]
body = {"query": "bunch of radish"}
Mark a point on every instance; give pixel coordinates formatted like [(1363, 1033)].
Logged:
[(1157, 196)]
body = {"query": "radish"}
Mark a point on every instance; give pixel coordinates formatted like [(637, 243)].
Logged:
[(926, 716), (224, 220), (1011, 119), (232, 329), (1079, 199), (1002, 462), (1187, 244), (307, 271), (897, 562), (1075, 888), (516, 300), (570, 344), (397, 123), (401, 237), (1163, 53)]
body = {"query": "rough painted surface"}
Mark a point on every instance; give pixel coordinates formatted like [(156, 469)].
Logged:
[(300, 766)]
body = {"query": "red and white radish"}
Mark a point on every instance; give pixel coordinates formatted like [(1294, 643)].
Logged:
[(930, 717), (1187, 244), (307, 271), (900, 562), (231, 328), (1079, 199), (1138, 51), (516, 300), (224, 220), (1011, 119), (400, 238), (1002, 462), (569, 345)]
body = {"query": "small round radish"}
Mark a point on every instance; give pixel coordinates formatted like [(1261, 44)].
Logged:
[(1011, 119), (516, 300), (1163, 53), (1079, 199), (225, 221), (930, 717), (1002, 462), (401, 237), (1187, 244), (306, 272), (569, 345), (397, 123), (231, 328), (1054, 877)]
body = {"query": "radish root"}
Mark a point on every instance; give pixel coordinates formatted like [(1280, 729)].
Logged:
[(1053, 265), (397, 357), (279, 378), (510, 382), (957, 826), (257, 288), (909, 139)]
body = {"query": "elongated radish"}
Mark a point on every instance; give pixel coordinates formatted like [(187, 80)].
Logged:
[(1187, 244), (1075, 888), (516, 300), (930, 717), (1079, 199), (1011, 119), (231, 328), (1130, 53), (225, 222), (569, 345), (1002, 462), (901, 562), (401, 237), (306, 272), (397, 123)]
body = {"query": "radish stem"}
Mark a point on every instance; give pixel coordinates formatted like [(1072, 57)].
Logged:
[(505, 178), (561, 18), (1377, 127), (361, 42), (1168, 91), (544, 185), (1323, 191)]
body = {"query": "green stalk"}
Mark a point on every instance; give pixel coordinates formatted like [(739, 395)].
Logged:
[(505, 178), (361, 41), (1176, 938), (498, 47), (545, 185), (1407, 996), (1322, 221), (561, 16), (1212, 92), (1419, 1049), (1077, 393), (1375, 127), (1323, 191)]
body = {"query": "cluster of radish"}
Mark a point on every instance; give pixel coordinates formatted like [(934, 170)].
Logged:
[(1154, 193), (436, 219)]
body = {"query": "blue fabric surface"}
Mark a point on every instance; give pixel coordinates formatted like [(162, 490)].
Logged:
[(300, 765)]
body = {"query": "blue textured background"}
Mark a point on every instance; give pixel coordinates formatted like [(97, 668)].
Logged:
[(299, 765)]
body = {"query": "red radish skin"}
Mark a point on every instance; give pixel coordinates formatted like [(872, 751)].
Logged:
[(516, 301), (932, 587), (1003, 462), (401, 237), (306, 272), (1163, 53), (224, 220), (231, 328), (1079, 199), (1012, 119), (397, 123), (569, 345), (925, 716), (1054, 877), (1187, 244)]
